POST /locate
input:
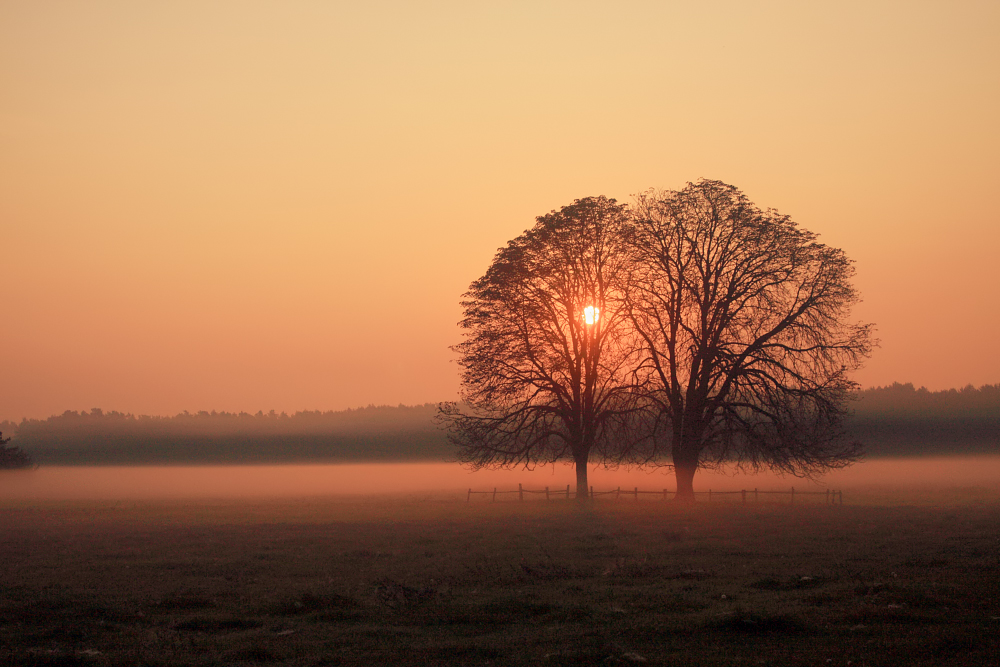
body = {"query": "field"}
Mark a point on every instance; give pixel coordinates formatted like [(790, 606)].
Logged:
[(425, 580)]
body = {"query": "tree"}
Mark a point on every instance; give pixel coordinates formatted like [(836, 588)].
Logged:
[(744, 321), (547, 353), (12, 457)]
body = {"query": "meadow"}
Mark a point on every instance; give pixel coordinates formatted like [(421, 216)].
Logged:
[(428, 579)]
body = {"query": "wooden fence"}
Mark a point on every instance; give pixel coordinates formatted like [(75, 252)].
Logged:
[(831, 497)]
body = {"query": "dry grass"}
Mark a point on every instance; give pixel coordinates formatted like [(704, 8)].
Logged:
[(432, 582)]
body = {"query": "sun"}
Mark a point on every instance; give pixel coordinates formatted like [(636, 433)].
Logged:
[(591, 314)]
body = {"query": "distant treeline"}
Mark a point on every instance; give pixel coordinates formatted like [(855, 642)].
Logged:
[(375, 433), (898, 420)]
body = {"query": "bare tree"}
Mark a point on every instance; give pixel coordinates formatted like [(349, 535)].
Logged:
[(548, 350), (744, 319)]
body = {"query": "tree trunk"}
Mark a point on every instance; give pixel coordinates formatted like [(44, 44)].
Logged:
[(582, 490), (684, 471), (685, 453)]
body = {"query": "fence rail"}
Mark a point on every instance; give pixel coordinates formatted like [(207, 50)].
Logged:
[(831, 497)]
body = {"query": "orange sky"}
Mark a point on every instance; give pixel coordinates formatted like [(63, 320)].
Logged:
[(249, 205)]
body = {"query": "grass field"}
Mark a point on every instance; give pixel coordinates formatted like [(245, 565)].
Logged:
[(433, 581)]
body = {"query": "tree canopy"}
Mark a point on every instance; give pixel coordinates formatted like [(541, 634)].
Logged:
[(547, 355), (747, 345), (691, 325)]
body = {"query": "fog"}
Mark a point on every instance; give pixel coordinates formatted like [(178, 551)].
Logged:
[(164, 482)]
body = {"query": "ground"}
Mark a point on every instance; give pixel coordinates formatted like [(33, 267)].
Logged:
[(433, 580)]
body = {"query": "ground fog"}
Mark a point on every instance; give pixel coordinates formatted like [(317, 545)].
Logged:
[(450, 479)]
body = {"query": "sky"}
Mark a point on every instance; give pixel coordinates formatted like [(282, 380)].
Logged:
[(277, 205)]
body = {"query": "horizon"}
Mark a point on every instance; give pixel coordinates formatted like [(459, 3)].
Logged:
[(371, 406)]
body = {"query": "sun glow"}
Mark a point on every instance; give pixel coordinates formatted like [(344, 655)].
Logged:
[(591, 314)]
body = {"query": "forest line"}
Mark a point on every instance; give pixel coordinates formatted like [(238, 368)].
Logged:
[(895, 420)]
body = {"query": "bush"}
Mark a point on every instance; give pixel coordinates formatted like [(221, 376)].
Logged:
[(13, 457)]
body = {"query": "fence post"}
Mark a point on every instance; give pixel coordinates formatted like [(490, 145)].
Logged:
[(793, 496), (469, 497), (664, 494), (744, 496), (567, 492), (546, 493), (591, 492), (637, 494), (520, 493), (618, 493), (494, 494)]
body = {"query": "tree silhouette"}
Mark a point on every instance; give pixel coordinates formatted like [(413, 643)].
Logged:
[(744, 321), (12, 457), (548, 352)]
